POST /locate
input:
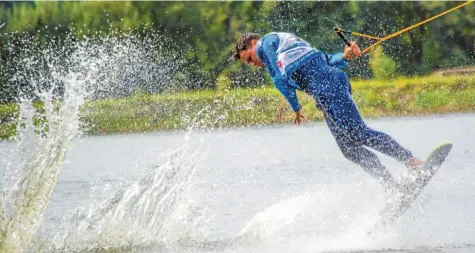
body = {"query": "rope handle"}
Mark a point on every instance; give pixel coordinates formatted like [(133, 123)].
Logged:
[(342, 36), (381, 40)]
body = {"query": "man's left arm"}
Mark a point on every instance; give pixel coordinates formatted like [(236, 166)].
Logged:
[(336, 60), (341, 60)]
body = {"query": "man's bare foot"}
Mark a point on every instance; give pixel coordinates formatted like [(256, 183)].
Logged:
[(414, 163)]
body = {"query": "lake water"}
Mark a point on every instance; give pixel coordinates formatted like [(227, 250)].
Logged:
[(265, 189)]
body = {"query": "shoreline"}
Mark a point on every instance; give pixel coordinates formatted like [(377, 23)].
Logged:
[(237, 108)]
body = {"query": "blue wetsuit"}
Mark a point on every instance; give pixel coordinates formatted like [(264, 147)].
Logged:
[(319, 76)]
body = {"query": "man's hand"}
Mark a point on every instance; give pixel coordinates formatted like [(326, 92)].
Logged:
[(351, 52), (298, 118)]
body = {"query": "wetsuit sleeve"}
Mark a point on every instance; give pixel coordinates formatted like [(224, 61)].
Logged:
[(336, 60), (269, 47)]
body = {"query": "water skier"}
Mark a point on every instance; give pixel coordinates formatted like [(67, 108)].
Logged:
[(294, 64)]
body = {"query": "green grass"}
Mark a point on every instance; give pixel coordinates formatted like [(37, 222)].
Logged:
[(261, 106), (8, 115), (416, 96)]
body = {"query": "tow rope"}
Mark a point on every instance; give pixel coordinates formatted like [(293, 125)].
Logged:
[(380, 40)]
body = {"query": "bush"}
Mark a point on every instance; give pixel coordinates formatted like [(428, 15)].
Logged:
[(382, 66)]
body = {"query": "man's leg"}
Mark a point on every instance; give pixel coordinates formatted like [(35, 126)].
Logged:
[(341, 110), (361, 156)]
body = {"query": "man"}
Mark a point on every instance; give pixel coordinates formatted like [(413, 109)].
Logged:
[(294, 64)]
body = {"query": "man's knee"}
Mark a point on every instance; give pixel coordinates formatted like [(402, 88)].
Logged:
[(368, 161), (362, 157), (351, 153), (358, 133)]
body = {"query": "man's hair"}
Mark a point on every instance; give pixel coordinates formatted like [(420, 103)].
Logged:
[(243, 43)]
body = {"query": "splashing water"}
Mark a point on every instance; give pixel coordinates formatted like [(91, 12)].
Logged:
[(54, 82), (29, 182), (152, 212), (317, 221)]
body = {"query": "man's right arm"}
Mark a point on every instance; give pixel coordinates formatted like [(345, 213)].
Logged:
[(269, 47)]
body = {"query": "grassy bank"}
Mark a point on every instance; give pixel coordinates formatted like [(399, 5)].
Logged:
[(242, 107)]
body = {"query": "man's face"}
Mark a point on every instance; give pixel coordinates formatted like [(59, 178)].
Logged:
[(249, 55)]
